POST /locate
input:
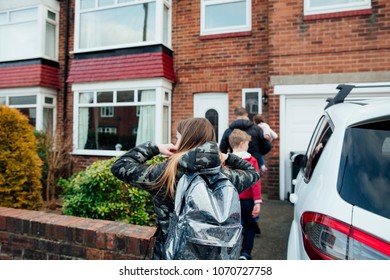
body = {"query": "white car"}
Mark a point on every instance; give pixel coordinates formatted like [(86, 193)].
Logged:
[(342, 192)]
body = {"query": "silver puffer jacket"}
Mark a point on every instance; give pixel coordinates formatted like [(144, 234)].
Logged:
[(132, 169)]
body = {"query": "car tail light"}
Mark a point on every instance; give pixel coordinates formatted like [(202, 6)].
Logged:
[(326, 238)]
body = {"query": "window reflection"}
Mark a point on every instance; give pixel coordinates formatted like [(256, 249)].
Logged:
[(226, 15), (104, 124), (317, 147), (132, 24), (252, 104), (212, 116)]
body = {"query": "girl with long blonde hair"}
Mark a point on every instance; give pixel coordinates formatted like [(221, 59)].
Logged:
[(196, 149)]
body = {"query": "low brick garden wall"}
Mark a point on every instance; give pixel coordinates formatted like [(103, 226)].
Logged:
[(39, 235)]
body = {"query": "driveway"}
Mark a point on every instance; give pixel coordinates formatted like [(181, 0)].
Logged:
[(275, 220)]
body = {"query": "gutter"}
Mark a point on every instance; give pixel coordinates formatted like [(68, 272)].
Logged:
[(66, 66)]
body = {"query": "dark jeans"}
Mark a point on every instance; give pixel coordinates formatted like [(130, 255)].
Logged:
[(249, 224)]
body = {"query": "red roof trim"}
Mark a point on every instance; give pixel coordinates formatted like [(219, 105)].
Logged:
[(29, 75), (134, 66)]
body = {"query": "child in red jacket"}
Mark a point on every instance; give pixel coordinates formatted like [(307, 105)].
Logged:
[(251, 198)]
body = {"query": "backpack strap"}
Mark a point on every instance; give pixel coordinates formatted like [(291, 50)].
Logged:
[(182, 186)]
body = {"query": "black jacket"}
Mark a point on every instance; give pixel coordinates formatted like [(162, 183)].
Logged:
[(258, 146), (132, 168)]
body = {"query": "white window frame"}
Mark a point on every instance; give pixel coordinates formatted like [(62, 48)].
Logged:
[(160, 85), (56, 25), (107, 112), (344, 7), (159, 28), (107, 129), (259, 96), (42, 19), (40, 94), (212, 31)]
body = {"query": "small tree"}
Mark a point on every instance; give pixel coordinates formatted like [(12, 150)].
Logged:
[(20, 165), (54, 150)]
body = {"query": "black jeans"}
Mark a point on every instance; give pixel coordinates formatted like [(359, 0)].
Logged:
[(249, 226)]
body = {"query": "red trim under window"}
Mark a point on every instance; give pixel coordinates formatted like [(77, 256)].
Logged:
[(339, 14)]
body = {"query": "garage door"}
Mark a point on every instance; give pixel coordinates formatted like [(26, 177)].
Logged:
[(300, 108), (300, 118)]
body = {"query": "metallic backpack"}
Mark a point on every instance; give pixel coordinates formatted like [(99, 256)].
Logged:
[(206, 222)]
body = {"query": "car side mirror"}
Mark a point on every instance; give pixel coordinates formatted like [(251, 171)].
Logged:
[(299, 160)]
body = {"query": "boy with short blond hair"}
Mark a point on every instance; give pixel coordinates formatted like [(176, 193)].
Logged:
[(251, 198)]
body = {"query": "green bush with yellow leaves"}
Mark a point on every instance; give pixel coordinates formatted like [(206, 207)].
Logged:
[(20, 165)]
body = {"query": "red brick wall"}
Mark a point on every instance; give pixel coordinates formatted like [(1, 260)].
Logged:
[(282, 42), (82, 162), (341, 43), (349, 43), (218, 63), (215, 63), (65, 124), (36, 235), (270, 183)]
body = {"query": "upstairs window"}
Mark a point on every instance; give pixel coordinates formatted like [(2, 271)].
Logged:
[(108, 24), (225, 16), (29, 33), (314, 7)]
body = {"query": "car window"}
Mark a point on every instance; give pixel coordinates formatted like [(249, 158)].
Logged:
[(386, 147), (364, 173), (320, 138)]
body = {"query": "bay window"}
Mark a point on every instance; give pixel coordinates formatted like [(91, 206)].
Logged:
[(112, 24), (225, 16), (37, 104), (312, 7), (120, 115), (29, 33)]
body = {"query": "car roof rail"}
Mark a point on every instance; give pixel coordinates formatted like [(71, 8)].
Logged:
[(344, 90)]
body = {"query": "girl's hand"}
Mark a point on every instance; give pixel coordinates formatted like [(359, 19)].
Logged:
[(167, 149), (223, 157)]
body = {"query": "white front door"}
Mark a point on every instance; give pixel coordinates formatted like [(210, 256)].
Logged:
[(215, 108)]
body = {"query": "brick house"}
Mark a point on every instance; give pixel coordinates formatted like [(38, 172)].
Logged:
[(113, 73), (312, 49)]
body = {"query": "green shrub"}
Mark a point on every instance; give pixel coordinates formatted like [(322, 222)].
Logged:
[(20, 165), (96, 193)]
